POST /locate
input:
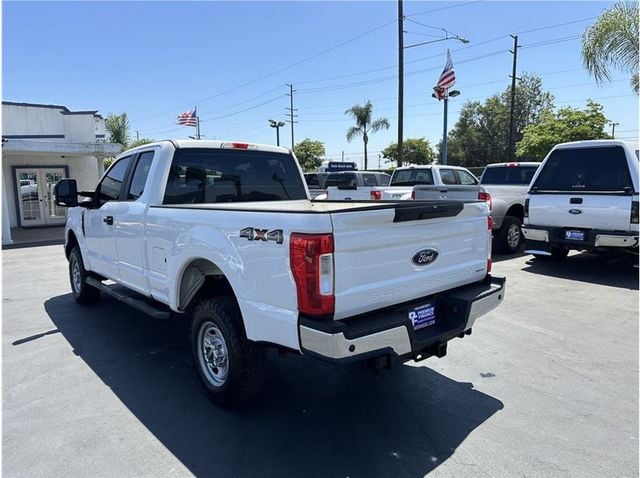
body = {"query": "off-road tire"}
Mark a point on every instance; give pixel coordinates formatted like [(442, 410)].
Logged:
[(83, 293), (506, 237), (245, 361)]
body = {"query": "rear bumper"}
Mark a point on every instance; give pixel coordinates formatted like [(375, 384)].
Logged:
[(542, 238), (389, 332)]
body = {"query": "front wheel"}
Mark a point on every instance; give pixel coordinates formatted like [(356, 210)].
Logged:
[(83, 293), (230, 367)]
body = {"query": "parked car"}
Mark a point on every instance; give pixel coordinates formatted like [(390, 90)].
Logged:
[(429, 182), (584, 196), (315, 183), (507, 184), (353, 185), (225, 235)]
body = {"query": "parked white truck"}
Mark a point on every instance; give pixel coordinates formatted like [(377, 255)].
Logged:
[(429, 182), (225, 234), (583, 197)]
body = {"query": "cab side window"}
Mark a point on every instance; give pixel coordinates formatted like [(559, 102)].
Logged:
[(140, 176), (110, 187), (448, 176), (465, 177), (369, 180)]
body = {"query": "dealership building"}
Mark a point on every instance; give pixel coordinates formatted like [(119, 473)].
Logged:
[(42, 144)]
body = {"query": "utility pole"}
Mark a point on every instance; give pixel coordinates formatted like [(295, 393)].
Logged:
[(513, 98), (400, 78), (343, 156), (292, 115), (137, 135), (613, 129)]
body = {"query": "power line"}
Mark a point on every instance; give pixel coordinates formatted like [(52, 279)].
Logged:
[(551, 42), (555, 25), (444, 8), (288, 67)]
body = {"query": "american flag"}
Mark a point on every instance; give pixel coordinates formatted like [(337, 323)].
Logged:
[(447, 78), (188, 118)]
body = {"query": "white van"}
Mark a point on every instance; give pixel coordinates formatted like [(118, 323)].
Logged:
[(584, 196)]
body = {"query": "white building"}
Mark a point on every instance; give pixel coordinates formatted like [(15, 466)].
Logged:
[(42, 144)]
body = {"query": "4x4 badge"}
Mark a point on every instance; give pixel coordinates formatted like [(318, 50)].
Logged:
[(255, 234)]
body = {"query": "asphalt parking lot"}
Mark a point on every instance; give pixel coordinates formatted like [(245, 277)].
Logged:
[(547, 385)]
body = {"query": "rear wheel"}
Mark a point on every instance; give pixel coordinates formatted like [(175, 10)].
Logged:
[(509, 235), (83, 293), (230, 367)]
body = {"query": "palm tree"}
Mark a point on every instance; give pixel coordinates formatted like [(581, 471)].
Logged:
[(364, 125), (612, 41), (118, 128)]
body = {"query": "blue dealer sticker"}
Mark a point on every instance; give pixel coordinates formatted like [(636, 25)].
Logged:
[(423, 316)]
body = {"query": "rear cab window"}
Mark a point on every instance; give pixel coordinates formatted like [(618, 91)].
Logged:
[(411, 177), (341, 180), (448, 176), (206, 175), (578, 170), (508, 175)]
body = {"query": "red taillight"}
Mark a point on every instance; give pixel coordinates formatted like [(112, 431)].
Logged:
[(485, 196), (413, 194), (489, 266), (240, 145), (512, 165), (489, 222), (376, 195), (311, 257)]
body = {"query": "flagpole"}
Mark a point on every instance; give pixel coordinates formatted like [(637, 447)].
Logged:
[(444, 133), (197, 127)]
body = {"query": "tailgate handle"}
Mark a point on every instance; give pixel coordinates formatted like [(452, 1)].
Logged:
[(575, 201)]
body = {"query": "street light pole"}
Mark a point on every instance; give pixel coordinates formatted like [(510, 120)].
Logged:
[(613, 129), (277, 125), (447, 94), (400, 79)]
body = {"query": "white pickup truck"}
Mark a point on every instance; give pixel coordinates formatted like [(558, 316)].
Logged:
[(429, 182), (583, 197), (225, 235)]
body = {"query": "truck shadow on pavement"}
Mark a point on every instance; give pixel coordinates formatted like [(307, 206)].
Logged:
[(312, 419), (610, 270)]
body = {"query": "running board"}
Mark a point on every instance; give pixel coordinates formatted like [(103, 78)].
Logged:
[(538, 253), (128, 298)]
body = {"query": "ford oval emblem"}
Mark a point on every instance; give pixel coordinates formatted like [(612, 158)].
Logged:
[(575, 211), (424, 257)]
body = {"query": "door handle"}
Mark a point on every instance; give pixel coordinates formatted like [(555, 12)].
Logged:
[(108, 220)]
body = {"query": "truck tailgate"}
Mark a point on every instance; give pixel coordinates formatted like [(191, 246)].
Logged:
[(374, 251), (588, 211), (457, 192)]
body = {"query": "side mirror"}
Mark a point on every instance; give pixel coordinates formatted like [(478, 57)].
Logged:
[(65, 193)]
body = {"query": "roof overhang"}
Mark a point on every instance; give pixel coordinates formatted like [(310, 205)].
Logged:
[(21, 146)]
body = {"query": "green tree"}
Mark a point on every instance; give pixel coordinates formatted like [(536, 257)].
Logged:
[(364, 125), (567, 124), (414, 151), (140, 142), (481, 134), (309, 154), (612, 42), (118, 128)]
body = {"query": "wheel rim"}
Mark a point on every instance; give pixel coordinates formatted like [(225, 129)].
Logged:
[(213, 354), (513, 236), (76, 276)]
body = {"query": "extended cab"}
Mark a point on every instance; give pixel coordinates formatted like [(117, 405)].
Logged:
[(507, 185), (225, 234), (583, 197)]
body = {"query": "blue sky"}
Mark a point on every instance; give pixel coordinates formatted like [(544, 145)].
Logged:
[(233, 60)]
